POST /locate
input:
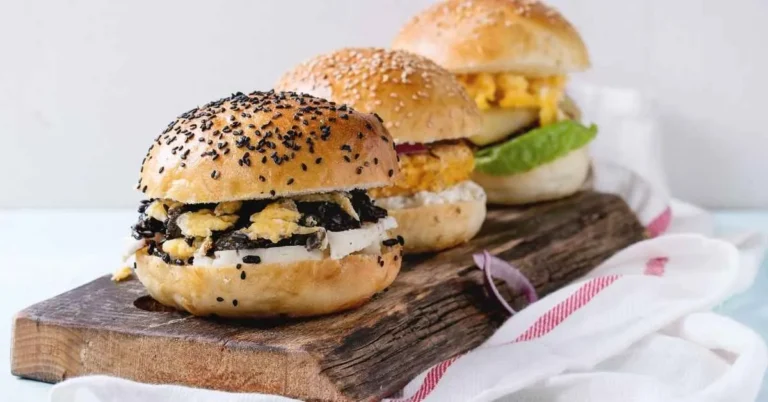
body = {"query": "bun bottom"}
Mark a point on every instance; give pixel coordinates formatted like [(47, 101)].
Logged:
[(557, 179), (297, 289), (436, 227)]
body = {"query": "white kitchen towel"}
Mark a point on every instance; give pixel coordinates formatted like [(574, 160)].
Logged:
[(638, 328)]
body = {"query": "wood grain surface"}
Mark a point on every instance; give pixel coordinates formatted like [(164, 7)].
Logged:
[(436, 309)]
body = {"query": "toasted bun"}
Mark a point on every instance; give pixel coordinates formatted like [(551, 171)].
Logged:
[(304, 288), (438, 227), (201, 156), (521, 36), (418, 100), (557, 179)]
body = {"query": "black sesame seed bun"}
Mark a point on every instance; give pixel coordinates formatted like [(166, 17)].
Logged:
[(298, 289), (266, 145), (494, 36), (419, 101)]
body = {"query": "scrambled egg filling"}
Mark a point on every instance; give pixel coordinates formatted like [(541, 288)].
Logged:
[(443, 166), (158, 209), (507, 90), (203, 223), (227, 208), (122, 274), (277, 221), (179, 248)]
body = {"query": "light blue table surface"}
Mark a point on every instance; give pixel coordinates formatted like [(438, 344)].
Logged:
[(750, 308)]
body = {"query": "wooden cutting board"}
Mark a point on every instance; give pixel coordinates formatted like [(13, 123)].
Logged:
[(436, 309)]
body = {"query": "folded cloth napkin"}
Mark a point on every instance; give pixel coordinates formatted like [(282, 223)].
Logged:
[(637, 328)]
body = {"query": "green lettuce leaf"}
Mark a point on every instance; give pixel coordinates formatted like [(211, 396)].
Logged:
[(534, 148)]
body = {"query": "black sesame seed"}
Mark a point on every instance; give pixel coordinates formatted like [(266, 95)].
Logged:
[(290, 181), (360, 135), (390, 242), (346, 147), (391, 172), (346, 158), (368, 126), (272, 192), (238, 266), (375, 161), (304, 167), (252, 259), (357, 156), (400, 240), (219, 299), (242, 275), (318, 160), (359, 170), (215, 175), (385, 138), (234, 302), (262, 178)]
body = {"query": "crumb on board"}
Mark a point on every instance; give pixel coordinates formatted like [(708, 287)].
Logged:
[(122, 274)]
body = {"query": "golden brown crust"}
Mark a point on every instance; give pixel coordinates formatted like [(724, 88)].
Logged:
[(557, 179), (438, 227), (294, 144), (520, 36), (304, 288), (419, 101)]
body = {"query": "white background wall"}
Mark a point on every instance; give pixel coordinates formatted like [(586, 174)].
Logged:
[(86, 84)]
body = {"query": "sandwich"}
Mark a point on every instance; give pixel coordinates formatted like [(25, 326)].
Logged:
[(251, 209), (513, 57), (430, 116)]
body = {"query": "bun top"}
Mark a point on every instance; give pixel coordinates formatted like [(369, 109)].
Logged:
[(419, 101), (265, 145), (493, 36)]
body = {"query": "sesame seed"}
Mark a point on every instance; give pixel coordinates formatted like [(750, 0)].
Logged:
[(242, 275), (234, 302), (290, 181), (391, 172), (359, 170), (219, 299), (390, 242), (252, 259), (304, 167), (318, 160)]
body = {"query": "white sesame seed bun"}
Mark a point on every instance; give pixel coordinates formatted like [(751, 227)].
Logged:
[(201, 156), (304, 288), (437, 227), (474, 36), (419, 101), (557, 179)]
